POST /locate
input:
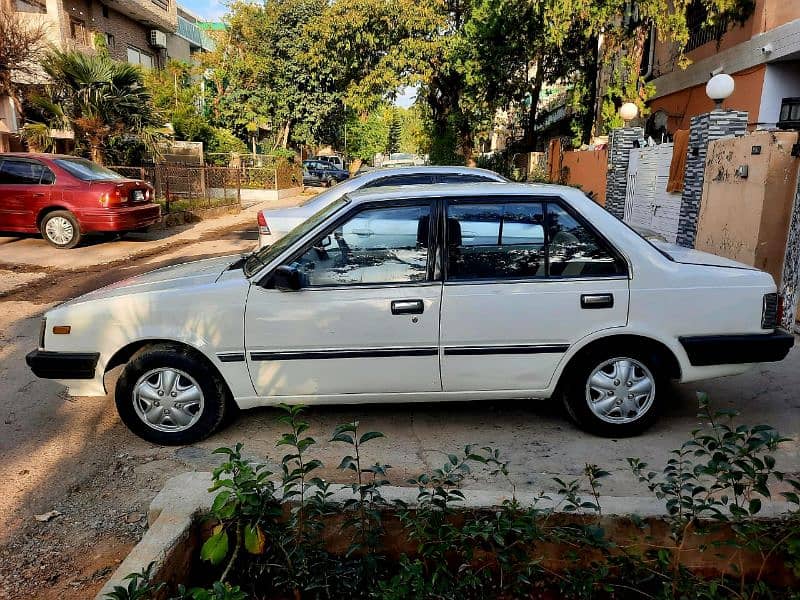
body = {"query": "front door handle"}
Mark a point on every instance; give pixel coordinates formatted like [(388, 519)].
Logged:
[(38, 195), (597, 300), (407, 307)]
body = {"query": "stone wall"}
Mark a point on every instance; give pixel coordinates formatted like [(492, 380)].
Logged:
[(704, 129), (621, 142)]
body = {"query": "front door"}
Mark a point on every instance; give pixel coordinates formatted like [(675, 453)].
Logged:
[(367, 318), (525, 279)]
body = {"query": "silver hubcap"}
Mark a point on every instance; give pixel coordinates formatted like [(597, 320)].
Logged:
[(59, 230), (168, 400), (620, 390)]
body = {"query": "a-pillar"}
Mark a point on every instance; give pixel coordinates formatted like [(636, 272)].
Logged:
[(621, 142), (703, 130)]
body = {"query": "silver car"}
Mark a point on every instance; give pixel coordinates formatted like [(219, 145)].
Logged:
[(274, 224)]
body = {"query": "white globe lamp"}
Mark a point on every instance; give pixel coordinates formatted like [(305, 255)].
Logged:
[(719, 87), (628, 112)]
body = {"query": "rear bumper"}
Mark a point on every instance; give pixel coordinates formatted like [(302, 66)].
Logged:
[(120, 219), (708, 350), (63, 365)]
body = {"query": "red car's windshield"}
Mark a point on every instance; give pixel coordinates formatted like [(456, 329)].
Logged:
[(86, 169)]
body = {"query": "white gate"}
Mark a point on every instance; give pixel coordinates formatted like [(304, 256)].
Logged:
[(647, 203)]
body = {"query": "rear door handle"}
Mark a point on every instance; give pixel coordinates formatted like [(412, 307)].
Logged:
[(407, 307), (38, 195), (597, 301)]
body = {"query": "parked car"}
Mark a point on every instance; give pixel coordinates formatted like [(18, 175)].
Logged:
[(336, 161), (421, 293), (66, 197), (274, 224), (323, 173)]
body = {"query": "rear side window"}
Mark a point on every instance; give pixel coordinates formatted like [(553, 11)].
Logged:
[(401, 180), (24, 172), (461, 178), (515, 240)]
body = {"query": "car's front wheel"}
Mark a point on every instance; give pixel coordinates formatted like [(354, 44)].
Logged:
[(60, 229), (615, 392), (168, 395)]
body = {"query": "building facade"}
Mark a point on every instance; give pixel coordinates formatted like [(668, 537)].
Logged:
[(762, 55)]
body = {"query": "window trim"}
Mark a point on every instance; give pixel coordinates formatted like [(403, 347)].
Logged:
[(544, 200), (22, 159), (266, 280)]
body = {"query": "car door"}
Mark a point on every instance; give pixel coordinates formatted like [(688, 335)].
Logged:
[(367, 320), (24, 185), (525, 278)]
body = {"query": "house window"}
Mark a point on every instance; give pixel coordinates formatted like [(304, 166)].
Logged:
[(162, 4), (31, 6), (137, 57), (105, 11), (78, 31), (790, 114), (110, 41)]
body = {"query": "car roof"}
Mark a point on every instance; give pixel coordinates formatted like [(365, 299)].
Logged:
[(487, 188), (431, 170), (45, 155)]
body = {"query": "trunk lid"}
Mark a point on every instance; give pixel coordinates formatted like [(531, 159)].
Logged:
[(689, 256)]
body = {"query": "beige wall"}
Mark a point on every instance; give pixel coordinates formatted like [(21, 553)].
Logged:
[(747, 219)]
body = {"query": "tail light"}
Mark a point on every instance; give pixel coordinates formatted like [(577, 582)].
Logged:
[(112, 198), (771, 311), (263, 228)]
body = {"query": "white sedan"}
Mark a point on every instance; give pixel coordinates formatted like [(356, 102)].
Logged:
[(421, 293), (273, 224)]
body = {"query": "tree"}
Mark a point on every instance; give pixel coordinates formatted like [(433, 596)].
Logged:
[(22, 44), (394, 131), (100, 99)]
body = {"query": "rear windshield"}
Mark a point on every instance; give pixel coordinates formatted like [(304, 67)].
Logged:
[(86, 169)]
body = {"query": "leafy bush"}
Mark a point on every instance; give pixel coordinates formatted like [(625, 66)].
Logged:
[(715, 482)]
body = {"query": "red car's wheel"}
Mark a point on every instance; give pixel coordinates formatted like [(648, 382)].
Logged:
[(60, 229)]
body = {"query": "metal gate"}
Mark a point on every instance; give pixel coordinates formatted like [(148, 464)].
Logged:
[(647, 203)]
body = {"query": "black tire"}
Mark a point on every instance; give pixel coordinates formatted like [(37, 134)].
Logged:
[(576, 396), (215, 394), (73, 222)]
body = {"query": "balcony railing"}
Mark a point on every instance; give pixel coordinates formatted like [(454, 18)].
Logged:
[(191, 33)]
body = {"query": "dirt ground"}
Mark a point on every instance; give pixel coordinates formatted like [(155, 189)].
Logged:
[(73, 456)]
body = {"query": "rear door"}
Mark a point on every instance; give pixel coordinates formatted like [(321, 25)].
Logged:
[(367, 322), (24, 185), (525, 279)]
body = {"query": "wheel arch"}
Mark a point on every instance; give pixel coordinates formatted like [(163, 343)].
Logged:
[(52, 208), (670, 360), (127, 352)]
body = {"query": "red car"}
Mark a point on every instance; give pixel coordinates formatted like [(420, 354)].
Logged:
[(65, 197)]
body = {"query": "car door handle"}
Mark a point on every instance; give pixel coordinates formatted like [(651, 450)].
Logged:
[(597, 300), (407, 307), (38, 195)]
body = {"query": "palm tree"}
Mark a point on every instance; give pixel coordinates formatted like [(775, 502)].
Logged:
[(98, 98)]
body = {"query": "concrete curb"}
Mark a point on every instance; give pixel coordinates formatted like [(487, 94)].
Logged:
[(183, 497)]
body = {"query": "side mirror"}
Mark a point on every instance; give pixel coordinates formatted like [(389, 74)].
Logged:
[(288, 279)]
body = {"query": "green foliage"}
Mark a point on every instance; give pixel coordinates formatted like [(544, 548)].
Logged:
[(395, 131), (140, 586), (103, 101)]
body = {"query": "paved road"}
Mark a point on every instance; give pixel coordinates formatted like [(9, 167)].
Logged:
[(73, 455)]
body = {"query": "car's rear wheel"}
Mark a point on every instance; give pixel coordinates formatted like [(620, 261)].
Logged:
[(615, 392), (60, 229), (168, 395)]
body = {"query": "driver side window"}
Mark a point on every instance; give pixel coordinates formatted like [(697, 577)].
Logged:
[(382, 245)]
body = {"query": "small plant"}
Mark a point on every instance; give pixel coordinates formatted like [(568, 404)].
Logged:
[(366, 523), (140, 586), (246, 498)]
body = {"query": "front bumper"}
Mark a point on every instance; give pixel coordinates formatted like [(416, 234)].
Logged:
[(120, 219), (63, 365), (705, 350)]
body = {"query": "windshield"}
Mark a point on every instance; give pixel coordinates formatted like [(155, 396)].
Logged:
[(262, 257), (86, 169)]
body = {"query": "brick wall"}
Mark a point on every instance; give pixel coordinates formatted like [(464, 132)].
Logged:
[(126, 32)]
